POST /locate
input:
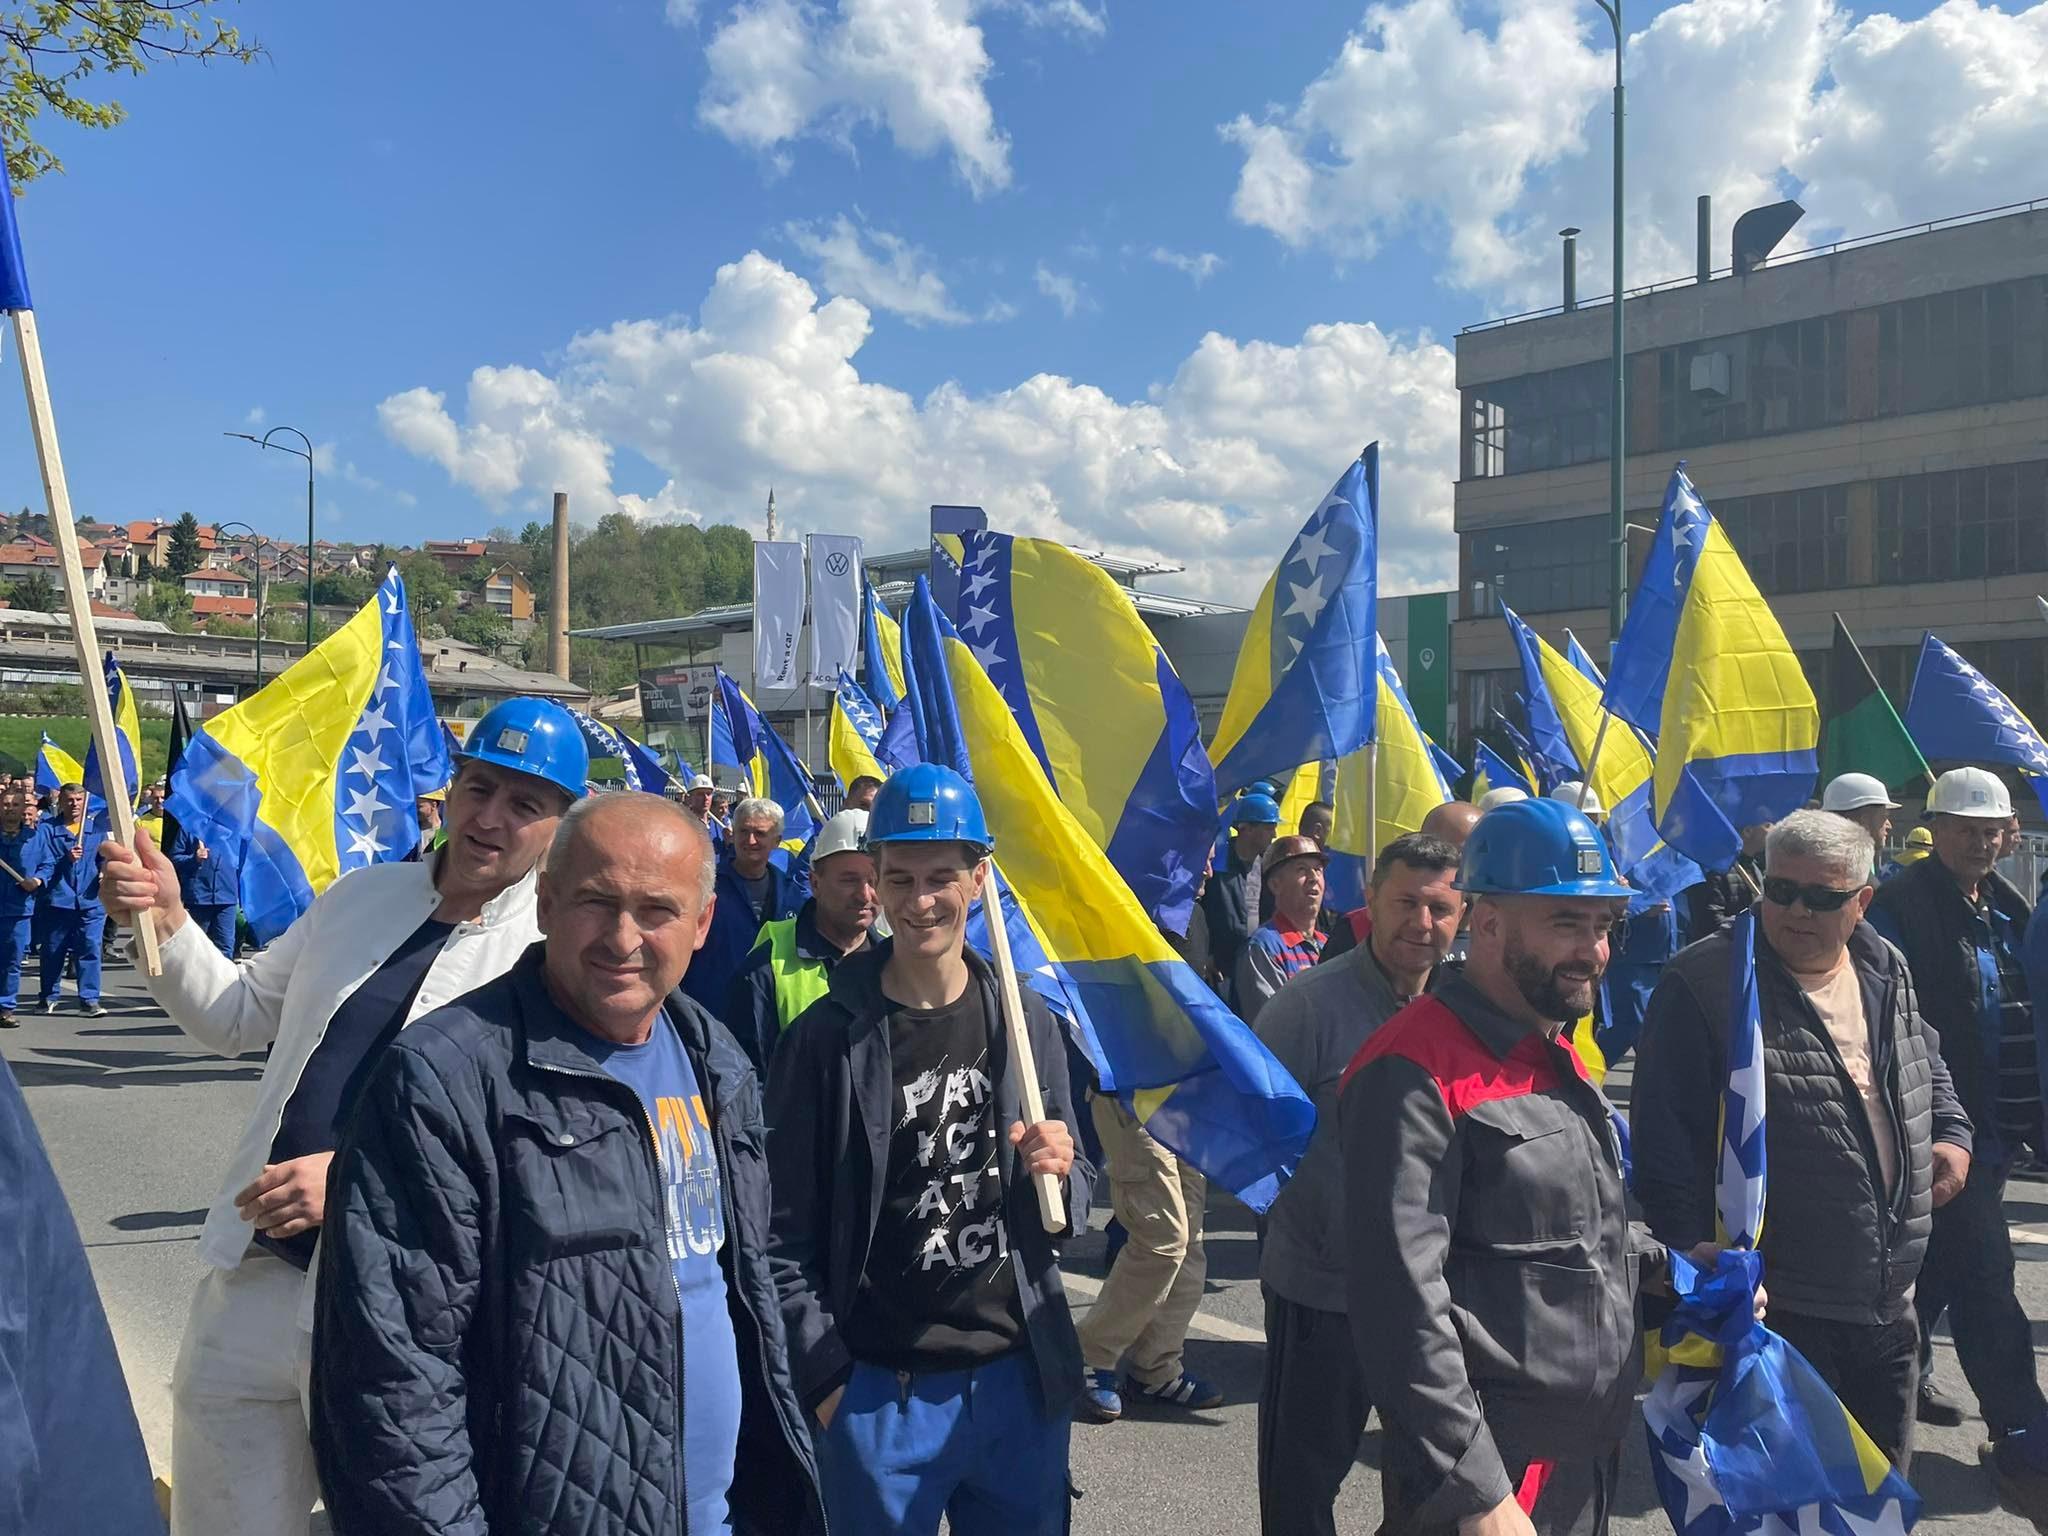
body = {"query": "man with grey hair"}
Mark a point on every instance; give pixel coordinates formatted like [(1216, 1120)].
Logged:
[(751, 892), (518, 1328), (1865, 1133)]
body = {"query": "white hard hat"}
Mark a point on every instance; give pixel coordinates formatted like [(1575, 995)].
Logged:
[(1856, 792), (1507, 794), (1571, 791), (1970, 792), (842, 834), (702, 781)]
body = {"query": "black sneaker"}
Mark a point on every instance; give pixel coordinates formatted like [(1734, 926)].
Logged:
[(95, 1011), (1937, 1407), (8, 1020), (2018, 1463)]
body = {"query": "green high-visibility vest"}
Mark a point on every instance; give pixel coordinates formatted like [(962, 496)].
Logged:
[(798, 982)]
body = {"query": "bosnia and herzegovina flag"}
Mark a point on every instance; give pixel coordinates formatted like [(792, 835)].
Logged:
[(1303, 688), (854, 732), (1704, 666), (317, 772), (1864, 733), (613, 752), (881, 650), (1101, 707), (771, 764), (1955, 711), (127, 738), (1492, 771), (55, 767), (1407, 786), (1745, 1436), (1191, 1071)]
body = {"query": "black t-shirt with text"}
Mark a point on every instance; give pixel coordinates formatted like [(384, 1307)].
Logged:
[(939, 1292)]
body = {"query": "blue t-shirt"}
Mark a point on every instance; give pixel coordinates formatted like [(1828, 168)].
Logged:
[(660, 1073)]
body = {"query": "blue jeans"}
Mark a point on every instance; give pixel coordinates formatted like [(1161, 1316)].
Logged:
[(14, 940), (218, 924), (975, 1446), (73, 934)]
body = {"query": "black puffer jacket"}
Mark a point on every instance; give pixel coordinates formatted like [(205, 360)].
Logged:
[(1834, 1246), (497, 1342)]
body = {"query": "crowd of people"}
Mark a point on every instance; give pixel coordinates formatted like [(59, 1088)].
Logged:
[(619, 1165)]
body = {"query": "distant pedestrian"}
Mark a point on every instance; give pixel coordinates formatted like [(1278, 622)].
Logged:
[(75, 921), (27, 853), (752, 890), (1289, 942)]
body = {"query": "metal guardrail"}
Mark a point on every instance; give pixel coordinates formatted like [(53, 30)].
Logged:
[(1804, 253)]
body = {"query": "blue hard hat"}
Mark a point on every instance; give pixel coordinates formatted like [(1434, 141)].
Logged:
[(927, 803), (1538, 848), (1255, 811), (535, 736), (1264, 787)]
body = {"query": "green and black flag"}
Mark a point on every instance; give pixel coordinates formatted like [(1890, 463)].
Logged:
[(1863, 733)]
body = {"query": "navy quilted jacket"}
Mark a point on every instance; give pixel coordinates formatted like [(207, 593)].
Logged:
[(497, 1346)]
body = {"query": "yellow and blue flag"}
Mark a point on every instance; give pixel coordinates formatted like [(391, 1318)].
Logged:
[(55, 767), (854, 731), (127, 738), (1492, 771), (614, 754), (1704, 667), (1745, 1436), (317, 772), (1109, 720), (1303, 688), (772, 766), (1407, 786), (1955, 711), (882, 650), (1192, 1072)]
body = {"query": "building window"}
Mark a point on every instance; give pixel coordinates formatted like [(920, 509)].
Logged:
[(1539, 421), (1540, 567), (1794, 541), (1968, 524)]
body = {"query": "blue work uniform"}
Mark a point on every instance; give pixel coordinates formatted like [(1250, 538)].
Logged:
[(28, 852), (74, 919), (209, 887)]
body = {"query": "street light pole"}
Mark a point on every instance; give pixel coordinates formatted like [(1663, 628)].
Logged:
[(306, 453), (1617, 597), (219, 528)]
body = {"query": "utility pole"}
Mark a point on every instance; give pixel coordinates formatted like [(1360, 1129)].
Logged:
[(1617, 453)]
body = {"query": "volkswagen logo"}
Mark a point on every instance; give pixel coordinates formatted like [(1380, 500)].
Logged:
[(836, 563)]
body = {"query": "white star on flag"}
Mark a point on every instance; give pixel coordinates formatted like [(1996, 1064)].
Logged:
[(1310, 548), (365, 843), (374, 722), (1888, 1521), (1700, 1492), (1308, 601), (369, 764), (979, 583), (989, 657), (364, 803), (390, 601), (386, 681), (978, 619)]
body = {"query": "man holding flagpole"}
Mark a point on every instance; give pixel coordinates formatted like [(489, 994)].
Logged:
[(375, 950)]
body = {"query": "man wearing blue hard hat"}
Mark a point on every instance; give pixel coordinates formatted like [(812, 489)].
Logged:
[(928, 1329), (1491, 1267), (378, 948), (1231, 901)]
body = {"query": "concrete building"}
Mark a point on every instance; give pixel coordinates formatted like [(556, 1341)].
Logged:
[(1868, 420)]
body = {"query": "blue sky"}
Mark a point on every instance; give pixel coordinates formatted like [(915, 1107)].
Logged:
[(397, 196)]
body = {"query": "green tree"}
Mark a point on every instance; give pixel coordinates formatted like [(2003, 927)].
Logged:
[(186, 555), (345, 589), (53, 48), (481, 628), (36, 593), (168, 603), (429, 590)]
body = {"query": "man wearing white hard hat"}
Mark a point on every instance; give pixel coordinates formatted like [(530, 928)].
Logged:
[(1507, 794), (1962, 934), (1581, 799), (791, 964), (1863, 799)]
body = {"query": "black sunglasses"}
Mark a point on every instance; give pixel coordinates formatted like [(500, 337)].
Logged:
[(1780, 892)]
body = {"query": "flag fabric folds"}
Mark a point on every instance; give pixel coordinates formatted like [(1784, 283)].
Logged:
[(1110, 722), (1303, 687), (1550, 744), (1955, 711), (174, 754), (316, 773), (836, 613), (854, 732), (127, 736), (612, 749), (1704, 666), (55, 767), (881, 652), (771, 764), (1492, 771), (1744, 1435), (1864, 734), (778, 613), (1407, 786), (1194, 1075)]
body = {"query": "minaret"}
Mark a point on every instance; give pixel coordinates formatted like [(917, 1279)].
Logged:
[(771, 514)]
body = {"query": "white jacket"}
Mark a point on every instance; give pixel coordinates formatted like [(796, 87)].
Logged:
[(284, 996)]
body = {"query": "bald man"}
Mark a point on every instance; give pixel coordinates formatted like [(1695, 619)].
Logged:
[(1452, 822)]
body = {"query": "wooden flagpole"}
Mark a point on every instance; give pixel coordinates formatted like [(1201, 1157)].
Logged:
[(99, 710), (1052, 1205)]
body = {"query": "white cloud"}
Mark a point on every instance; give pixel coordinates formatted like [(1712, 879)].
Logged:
[(1216, 467), (1060, 288), (780, 70), (882, 270), (1068, 15), (255, 417), (1200, 267), (1485, 128)]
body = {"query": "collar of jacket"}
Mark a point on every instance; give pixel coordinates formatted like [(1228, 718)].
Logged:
[(857, 983), (1379, 987), (729, 869), (1494, 1029), (550, 1038), (514, 901), (811, 945)]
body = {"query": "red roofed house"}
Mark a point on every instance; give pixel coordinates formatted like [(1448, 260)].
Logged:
[(210, 607), (36, 557), (458, 557)]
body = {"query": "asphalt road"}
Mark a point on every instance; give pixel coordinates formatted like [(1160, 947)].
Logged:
[(139, 1121)]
